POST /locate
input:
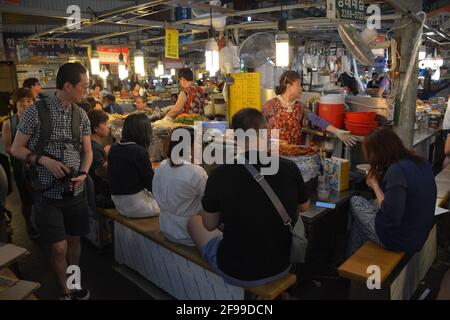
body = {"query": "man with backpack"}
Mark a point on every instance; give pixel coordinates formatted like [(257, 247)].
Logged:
[(53, 137)]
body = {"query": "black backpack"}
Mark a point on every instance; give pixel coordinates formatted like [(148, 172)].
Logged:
[(45, 132)]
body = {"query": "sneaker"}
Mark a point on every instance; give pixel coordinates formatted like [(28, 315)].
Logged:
[(33, 232), (66, 297), (82, 294)]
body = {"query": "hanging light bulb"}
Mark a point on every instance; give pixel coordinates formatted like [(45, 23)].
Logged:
[(422, 53), (139, 66), (212, 56), (104, 73), (123, 72), (95, 60), (172, 72), (282, 44)]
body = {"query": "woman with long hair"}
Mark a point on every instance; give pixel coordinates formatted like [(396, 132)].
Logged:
[(285, 112), (130, 170), (401, 217)]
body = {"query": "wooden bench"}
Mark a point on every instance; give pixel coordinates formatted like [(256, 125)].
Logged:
[(177, 269), (399, 274), (22, 290)]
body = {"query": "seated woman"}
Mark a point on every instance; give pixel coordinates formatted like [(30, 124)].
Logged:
[(22, 99), (99, 168), (178, 188), (402, 215), (130, 170)]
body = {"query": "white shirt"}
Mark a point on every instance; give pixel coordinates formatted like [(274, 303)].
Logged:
[(446, 124), (178, 191)]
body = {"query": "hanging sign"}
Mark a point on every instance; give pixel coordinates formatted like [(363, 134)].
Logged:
[(172, 43), (346, 9), (110, 55)]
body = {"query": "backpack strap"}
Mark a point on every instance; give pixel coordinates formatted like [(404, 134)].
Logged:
[(76, 122), (14, 120), (45, 128)]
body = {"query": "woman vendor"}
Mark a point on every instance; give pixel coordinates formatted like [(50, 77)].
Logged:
[(285, 112), (191, 98)]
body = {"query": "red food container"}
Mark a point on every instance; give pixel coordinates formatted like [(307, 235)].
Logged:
[(360, 129), (362, 117)]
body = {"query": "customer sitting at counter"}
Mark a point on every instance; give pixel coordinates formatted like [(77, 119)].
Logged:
[(178, 188), (285, 112), (109, 103), (255, 246), (141, 104), (191, 98), (130, 170), (99, 168), (402, 215)]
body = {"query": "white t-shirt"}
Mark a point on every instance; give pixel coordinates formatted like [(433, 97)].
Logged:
[(178, 191), (446, 124)]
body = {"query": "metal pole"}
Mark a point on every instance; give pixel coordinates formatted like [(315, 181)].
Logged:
[(406, 35)]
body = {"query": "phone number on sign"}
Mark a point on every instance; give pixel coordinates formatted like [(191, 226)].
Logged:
[(349, 14)]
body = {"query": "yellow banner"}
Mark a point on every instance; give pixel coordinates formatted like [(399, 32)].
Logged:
[(172, 43)]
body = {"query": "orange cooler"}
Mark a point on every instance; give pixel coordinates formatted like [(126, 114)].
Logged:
[(332, 109)]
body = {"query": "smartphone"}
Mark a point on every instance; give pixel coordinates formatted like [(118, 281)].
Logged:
[(327, 205)]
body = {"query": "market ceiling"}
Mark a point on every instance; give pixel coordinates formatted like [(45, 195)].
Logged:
[(149, 18)]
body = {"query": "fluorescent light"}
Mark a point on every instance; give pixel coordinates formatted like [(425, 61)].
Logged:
[(212, 56), (139, 66), (282, 49), (95, 63), (282, 45)]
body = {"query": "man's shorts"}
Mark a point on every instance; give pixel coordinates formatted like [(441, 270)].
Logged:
[(209, 253), (57, 219)]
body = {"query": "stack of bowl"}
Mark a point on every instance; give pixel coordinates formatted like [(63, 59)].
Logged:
[(360, 123)]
